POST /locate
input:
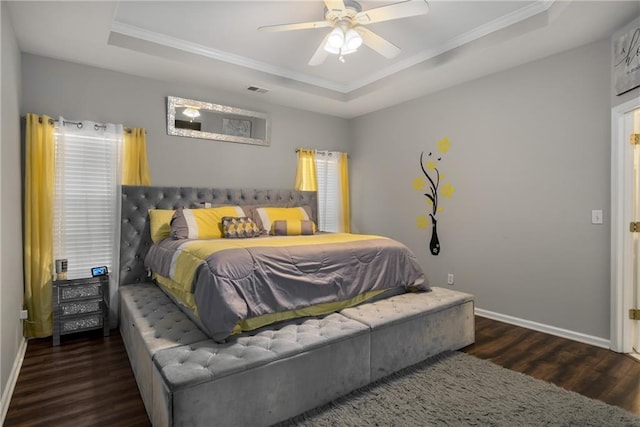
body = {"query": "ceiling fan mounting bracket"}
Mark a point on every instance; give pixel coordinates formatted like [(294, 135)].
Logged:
[(351, 9)]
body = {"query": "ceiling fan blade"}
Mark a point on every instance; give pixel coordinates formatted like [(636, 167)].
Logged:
[(320, 55), (403, 9), (335, 5), (377, 43), (300, 26)]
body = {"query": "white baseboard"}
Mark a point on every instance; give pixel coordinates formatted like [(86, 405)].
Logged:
[(547, 329), (12, 380)]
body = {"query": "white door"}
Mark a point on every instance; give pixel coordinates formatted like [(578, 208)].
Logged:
[(625, 209), (631, 129)]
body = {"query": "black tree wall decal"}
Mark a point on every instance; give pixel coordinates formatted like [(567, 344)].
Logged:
[(429, 167), (434, 183)]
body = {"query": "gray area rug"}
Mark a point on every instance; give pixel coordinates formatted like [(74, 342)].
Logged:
[(456, 389)]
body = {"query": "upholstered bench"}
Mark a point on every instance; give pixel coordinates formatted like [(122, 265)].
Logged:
[(263, 377), (266, 376), (150, 321), (408, 328)]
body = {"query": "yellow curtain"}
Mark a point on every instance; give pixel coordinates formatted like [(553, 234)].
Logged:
[(306, 179), (135, 168), (38, 222), (344, 191)]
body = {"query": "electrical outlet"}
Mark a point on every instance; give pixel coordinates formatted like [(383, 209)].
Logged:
[(24, 314), (449, 279)]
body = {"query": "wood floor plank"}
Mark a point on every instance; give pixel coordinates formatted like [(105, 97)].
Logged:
[(87, 381)]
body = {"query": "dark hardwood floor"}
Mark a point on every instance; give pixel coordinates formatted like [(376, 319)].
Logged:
[(591, 371), (87, 381)]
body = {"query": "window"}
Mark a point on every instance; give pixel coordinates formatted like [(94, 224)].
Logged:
[(327, 173), (329, 196), (86, 200)]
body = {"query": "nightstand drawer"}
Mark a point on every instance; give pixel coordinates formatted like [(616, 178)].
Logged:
[(80, 307), (90, 290), (81, 323)]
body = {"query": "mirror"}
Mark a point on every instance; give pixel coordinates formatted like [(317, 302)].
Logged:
[(198, 119)]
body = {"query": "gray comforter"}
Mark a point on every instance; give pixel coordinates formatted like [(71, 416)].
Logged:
[(236, 279)]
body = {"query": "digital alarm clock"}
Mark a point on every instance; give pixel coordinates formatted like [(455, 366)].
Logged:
[(99, 271)]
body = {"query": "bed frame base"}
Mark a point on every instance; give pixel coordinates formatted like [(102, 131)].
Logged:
[(278, 372)]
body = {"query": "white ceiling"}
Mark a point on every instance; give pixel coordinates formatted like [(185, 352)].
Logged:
[(216, 44)]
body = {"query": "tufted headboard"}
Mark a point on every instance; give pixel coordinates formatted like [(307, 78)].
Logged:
[(135, 238)]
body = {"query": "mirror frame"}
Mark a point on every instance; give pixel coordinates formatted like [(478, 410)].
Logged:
[(172, 101)]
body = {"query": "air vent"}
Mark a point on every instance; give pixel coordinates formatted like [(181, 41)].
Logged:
[(257, 89)]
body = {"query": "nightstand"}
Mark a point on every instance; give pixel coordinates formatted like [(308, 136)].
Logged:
[(80, 305)]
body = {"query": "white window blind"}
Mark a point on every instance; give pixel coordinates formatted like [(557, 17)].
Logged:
[(329, 196), (86, 202)]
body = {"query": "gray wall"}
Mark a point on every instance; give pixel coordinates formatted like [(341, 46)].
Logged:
[(80, 92), (11, 276), (529, 160)]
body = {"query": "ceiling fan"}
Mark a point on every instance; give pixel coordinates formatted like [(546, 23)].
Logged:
[(348, 21)]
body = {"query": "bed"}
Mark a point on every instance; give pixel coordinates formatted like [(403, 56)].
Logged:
[(378, 326), (228, 286)]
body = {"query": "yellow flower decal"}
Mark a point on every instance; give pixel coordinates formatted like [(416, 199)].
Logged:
[(422, 221), (418, 183), (429, 202), (444, 144), (430, 165), (440, 208), (447, 190)]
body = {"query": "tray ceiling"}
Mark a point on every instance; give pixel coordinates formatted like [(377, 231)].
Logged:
[(217, 44)]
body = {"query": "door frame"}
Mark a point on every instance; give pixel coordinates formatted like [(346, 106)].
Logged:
[(621, 246)]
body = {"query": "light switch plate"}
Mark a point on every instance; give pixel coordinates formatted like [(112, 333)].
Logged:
[(596, 216)]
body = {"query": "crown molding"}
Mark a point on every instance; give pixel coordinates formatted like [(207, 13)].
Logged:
[(220, 55), (227, 57), (465, 38)]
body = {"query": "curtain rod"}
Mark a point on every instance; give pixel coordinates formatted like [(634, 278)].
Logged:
[(322, 151), (96, 126)]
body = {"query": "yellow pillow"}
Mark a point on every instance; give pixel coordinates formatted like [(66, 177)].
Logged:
[(160, 224), (266, 216), (201, 223)]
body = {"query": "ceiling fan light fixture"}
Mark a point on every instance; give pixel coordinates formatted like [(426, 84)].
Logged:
[(352, 40), (343, 42), (336, 38)]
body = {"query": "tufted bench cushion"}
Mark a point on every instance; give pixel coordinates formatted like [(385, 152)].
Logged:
[(408, 328), (275, 372), (149, 322), (157, 318)]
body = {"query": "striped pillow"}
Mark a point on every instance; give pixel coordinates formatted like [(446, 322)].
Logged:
[(265, 216), (292, 227), (201, 223)]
